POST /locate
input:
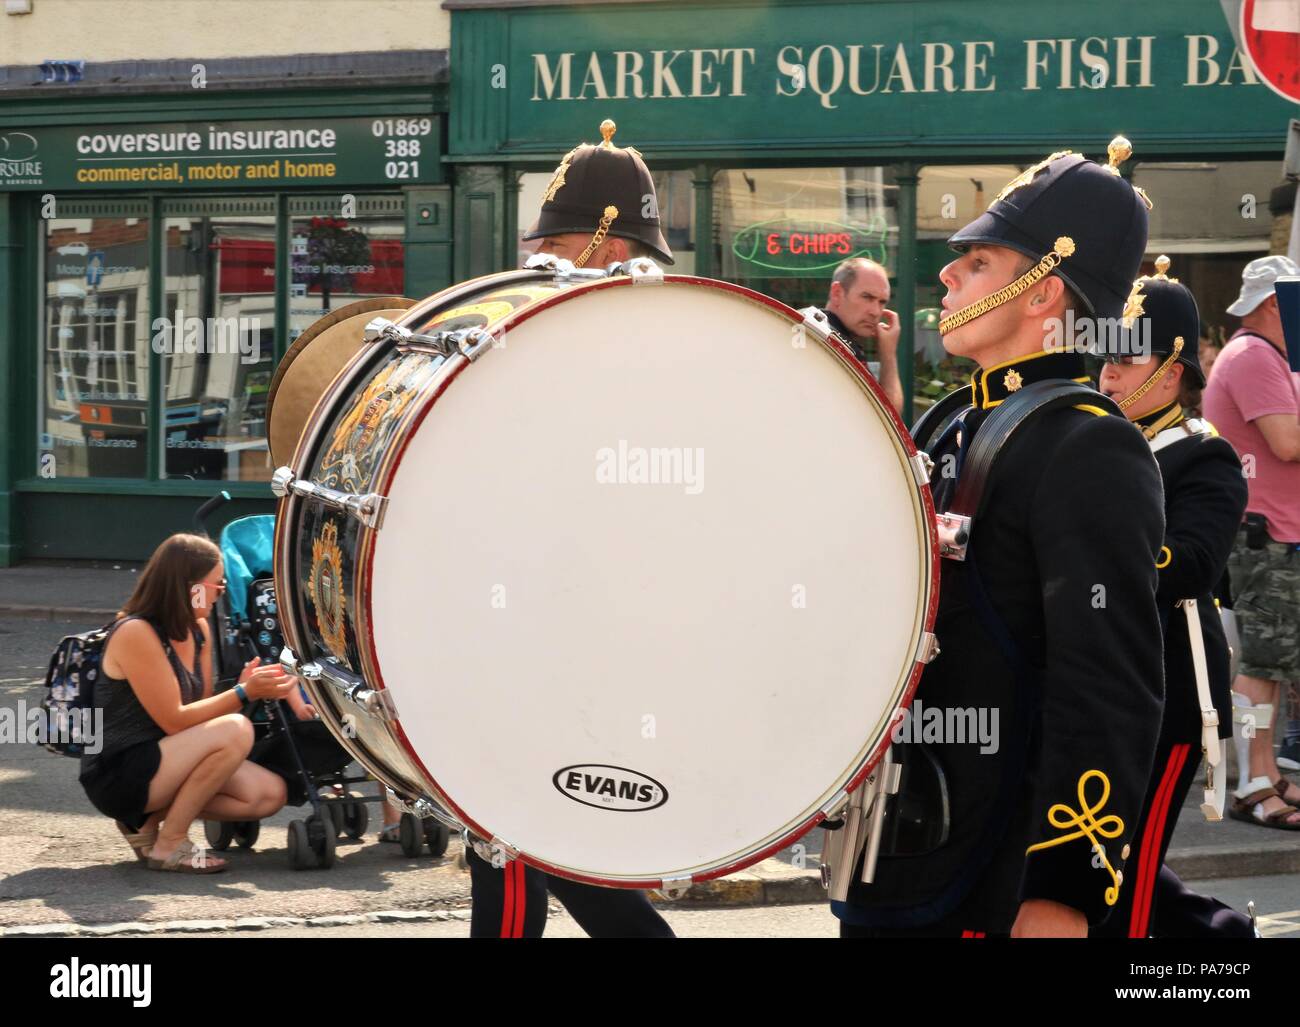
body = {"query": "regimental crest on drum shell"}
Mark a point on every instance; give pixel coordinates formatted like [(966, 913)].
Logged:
[(360, 438), (326, 589)]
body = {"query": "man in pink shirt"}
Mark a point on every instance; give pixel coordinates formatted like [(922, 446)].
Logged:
[(1253, 399)]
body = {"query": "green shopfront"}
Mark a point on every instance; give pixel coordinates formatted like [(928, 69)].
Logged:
[(787, 136), (157, 257)]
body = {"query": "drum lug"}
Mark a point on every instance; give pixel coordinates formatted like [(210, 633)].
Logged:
[(674, 888), (562, 269), (472, 342), (353, 689), (835, 804), (368, 509), (642, 271), (922, 467), (548, 262), (927, 648), (814, 318), (439, 343), (954, 535)]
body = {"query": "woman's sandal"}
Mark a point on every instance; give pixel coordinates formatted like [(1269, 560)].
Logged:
[(1249, 807), (140, 842), (391, 833), (182, 861)]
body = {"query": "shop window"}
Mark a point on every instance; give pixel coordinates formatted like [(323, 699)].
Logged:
[(94, 396), (336, 260), (217, 342), (676, 214), (947, 198), (1210, 218), (784, 231)]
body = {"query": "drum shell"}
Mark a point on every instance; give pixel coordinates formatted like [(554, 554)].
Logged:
[(385, 748)]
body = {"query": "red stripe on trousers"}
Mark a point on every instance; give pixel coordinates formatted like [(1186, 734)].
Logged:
[(1149, 854), (521, 897), (508, 903)]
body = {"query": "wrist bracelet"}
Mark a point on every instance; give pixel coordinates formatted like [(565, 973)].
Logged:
[(242, 695)]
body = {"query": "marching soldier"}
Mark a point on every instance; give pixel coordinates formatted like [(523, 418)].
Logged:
[(1049, 617), (1205, 498), (600, 208)]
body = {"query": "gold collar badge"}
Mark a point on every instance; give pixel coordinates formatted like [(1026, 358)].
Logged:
[(1012, 381)]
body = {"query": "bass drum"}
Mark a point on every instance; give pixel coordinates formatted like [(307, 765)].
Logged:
[(631, 573)]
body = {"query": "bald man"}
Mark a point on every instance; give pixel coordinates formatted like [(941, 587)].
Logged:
[(856, 310)]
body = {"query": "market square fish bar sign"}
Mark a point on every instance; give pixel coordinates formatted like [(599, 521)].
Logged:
[(716, 74)]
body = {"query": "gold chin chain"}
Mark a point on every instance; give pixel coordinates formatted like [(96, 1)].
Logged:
[(1124, 404), (1063, 248), (611, 213)]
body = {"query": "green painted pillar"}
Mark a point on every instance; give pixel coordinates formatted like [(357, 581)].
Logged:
[(10, 252), (906, 176), (703, 183), (428, 241), (480, 219)]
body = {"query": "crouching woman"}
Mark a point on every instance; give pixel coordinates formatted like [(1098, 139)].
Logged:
[(172, 752)]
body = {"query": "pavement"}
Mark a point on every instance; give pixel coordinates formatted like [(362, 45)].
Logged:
[(64, 869)]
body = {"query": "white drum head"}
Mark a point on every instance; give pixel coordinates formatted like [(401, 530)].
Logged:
[(572, 626)]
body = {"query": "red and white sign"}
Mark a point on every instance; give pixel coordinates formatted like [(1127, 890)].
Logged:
[(1270, 36)]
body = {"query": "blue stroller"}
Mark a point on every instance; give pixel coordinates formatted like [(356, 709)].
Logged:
[(302, 752)]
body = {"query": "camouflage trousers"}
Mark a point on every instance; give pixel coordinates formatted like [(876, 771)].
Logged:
[(1266, 600)]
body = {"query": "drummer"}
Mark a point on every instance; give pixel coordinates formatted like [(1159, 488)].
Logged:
[(1051, 618), (1205, 498), (600, 208)]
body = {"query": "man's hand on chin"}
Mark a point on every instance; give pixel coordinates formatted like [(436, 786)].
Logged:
[(1042, 918)]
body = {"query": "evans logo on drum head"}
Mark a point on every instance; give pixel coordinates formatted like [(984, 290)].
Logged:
[(607, 787)]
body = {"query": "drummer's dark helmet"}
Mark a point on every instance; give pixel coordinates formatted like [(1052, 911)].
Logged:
[(1077, 219), (601, 190)]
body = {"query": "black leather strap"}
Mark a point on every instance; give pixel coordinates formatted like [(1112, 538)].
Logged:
[(933, 420), (1002, 424)]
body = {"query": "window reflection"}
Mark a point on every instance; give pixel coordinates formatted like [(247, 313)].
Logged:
[(95, 355), (217, 342)]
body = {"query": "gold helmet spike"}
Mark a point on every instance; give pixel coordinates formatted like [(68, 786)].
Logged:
[(1119, 150), (1162, 269), (607, 130)]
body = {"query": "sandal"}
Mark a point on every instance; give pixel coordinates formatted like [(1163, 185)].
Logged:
[(182, 861), (1249, 807), (1281, 785), (140, 842), (391, 833)]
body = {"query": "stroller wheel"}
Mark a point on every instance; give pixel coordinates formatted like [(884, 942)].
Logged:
[(321, 835), (300, 854), (436, 836), (410, 835), (337, 811), (356, 818), (219, 834), (246, 832)]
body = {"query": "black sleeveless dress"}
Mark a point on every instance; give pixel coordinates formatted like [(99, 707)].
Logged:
[(116, 778)]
